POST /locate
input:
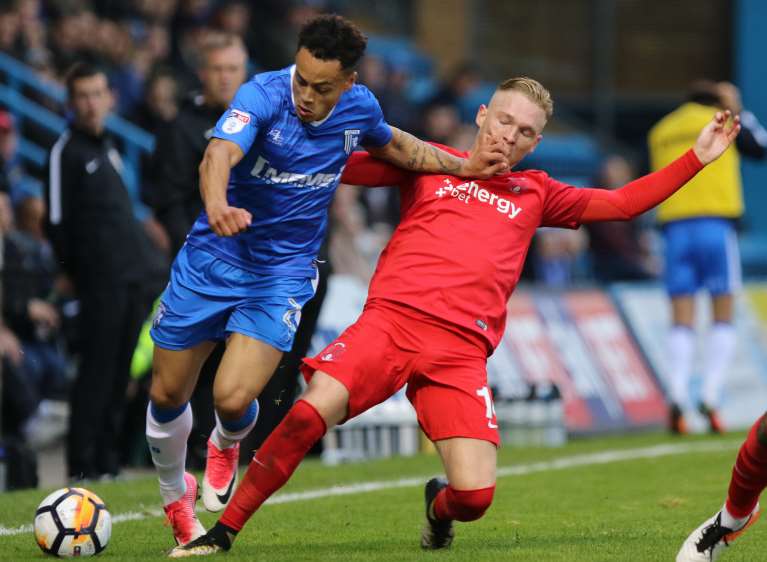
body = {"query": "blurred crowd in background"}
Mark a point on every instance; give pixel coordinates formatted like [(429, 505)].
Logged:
[(151, 52)]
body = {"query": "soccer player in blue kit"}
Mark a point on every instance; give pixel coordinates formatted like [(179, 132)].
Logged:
[(247, 267)]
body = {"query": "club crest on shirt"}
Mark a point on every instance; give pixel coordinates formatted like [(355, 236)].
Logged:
[(351, 140), (235, 122), (335, 351)]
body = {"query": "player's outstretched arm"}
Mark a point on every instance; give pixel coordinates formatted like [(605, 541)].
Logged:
[(644, 193), (410, 153), (219, 158)]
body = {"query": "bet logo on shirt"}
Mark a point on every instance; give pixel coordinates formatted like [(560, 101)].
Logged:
[(469, 191)]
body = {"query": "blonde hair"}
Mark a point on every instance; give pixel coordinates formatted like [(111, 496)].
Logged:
[(533, 89)]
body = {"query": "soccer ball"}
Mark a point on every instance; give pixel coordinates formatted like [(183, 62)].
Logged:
[(72, 522)]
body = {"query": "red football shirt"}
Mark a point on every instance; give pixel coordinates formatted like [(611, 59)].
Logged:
[(459, 249)]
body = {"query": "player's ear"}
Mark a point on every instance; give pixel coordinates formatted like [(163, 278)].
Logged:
[(538, 139), (481, 114), (350, 81)]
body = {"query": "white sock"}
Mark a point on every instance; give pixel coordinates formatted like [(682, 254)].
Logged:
[(681, 345), (720, 346), (167, 444), (224, 438), (732, 522)]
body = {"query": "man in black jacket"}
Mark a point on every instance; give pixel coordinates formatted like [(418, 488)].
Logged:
[(114, 268)]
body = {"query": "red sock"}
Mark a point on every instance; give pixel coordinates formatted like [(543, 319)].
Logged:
[(462, 505), (274, 462), (749, 476)]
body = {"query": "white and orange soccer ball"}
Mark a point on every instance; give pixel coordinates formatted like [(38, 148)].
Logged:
[(72, 522)]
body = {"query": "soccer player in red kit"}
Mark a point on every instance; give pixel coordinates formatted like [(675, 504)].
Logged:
[(436, 309), (741, 509)]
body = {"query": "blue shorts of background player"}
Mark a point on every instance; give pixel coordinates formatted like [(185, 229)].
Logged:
[(701, 253), (208, 299)]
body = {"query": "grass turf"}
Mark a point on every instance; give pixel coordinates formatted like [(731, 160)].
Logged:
[(633, 510)]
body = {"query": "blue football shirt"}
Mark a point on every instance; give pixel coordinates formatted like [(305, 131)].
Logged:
[(289, 173)]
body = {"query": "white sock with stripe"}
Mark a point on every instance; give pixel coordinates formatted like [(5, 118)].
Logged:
[(167, 444)]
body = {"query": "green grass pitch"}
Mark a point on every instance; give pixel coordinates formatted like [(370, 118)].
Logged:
[(567, 504)]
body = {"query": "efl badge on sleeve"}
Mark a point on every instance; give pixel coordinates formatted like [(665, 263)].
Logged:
[(235, 122)]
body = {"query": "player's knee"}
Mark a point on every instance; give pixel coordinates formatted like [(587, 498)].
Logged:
[(329, 397), (232, 406), (166, 398), (470, 505)]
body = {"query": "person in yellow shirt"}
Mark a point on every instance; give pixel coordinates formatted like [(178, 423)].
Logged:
[(701, 250)]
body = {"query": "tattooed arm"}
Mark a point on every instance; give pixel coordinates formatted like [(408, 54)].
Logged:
[(410, 153)]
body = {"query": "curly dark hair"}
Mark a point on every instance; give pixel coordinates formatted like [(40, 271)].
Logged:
[(332, 37)]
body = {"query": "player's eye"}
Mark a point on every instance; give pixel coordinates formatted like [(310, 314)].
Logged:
[(323, 91)]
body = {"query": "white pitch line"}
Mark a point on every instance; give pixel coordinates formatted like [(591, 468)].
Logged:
[(562, 463)]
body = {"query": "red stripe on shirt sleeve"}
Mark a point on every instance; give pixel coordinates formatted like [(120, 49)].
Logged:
[(363, 169)]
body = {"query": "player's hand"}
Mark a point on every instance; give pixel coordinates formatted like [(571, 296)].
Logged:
[(716, 136), (227, 221), (488, 160)]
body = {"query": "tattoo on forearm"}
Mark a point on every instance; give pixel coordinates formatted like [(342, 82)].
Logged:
[(424, 157)]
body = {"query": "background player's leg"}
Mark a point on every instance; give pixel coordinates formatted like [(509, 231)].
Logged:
[(470, 466), (720, 270), (169, 418), (719, 349), (681, 349)]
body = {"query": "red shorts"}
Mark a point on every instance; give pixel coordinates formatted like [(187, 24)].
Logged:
[(391, 345)]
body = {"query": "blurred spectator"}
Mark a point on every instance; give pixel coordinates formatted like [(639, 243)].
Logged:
[(175, 194), (460, 89), (14, 179), (441, 123), (558, 256), (701, 243), (234, 16), (160, 104), (620, 251), (29, 275), (9, 29), (68, 36), (115, 49), (110, 261)]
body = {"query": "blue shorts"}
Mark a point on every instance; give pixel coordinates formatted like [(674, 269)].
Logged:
[(701, 253), (207, 299)]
